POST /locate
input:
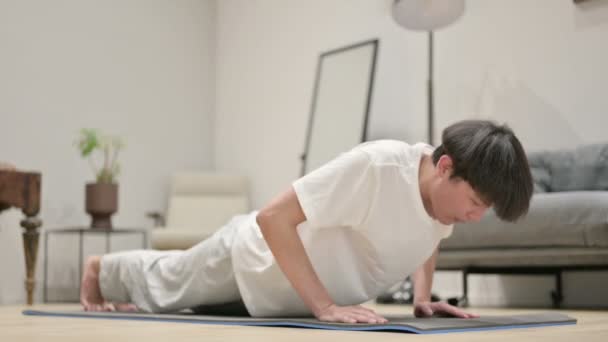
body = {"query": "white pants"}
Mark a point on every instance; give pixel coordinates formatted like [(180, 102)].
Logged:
[(162, 281)]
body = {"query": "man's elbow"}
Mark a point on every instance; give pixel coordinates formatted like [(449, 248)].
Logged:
[(266, 218), (282, 212)]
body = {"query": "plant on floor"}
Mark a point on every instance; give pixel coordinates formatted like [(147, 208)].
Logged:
[(91, 140)]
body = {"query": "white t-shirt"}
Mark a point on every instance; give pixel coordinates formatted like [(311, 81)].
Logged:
[(366, 229)]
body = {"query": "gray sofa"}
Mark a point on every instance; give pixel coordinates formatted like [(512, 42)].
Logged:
[(565, 229)]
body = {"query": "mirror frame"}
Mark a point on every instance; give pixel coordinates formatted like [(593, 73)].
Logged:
[(374, 43)]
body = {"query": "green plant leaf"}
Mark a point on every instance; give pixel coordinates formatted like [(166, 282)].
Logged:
[(88, 142)]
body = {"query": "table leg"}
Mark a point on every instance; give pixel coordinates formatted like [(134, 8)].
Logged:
[(45, 297), (30, 248), (80, 260)]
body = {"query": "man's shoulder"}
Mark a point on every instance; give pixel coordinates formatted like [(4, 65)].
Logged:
[(387, 151), (383, 146)]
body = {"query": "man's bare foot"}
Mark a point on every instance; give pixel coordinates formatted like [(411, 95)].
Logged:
[(90, 293)]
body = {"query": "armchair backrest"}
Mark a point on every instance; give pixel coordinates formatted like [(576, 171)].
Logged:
[(205, 201)]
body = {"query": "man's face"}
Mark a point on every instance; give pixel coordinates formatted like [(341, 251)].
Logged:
[(454, 200)]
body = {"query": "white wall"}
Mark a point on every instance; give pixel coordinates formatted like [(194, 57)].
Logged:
[(538, 65), (267, 54), (142, 69)]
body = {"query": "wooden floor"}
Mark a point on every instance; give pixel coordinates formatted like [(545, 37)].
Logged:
[(592, 326)]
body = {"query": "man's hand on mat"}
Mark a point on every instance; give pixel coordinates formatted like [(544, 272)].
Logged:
[(428, 309), (349, 314)]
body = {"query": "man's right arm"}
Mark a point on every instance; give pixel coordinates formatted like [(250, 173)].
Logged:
[(278, 221)]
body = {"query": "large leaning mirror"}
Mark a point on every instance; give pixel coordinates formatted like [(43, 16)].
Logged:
[(341, 102)]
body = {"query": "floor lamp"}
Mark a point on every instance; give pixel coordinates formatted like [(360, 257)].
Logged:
[(426, 16)]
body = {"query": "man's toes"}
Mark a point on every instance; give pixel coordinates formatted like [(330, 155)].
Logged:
[(126, 307), (108, 307), (91, 307)]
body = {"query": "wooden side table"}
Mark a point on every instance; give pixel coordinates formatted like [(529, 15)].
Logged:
[(22, 190), (81, 231)]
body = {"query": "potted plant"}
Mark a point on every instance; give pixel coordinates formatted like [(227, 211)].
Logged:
[(101, 196)]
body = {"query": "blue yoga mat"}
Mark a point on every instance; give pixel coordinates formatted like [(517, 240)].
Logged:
[(410, 324)]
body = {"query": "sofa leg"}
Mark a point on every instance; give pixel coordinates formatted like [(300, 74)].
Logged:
[(463, 301), (557, 295)]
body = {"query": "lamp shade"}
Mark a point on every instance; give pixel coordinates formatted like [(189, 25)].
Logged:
[(427, 15)]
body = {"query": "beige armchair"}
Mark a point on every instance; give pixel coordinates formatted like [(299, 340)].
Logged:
[(199, 204)]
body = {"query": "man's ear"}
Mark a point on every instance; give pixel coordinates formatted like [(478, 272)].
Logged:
[(445, 165)]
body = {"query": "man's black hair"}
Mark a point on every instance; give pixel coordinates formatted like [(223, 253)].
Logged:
[(491, 159)]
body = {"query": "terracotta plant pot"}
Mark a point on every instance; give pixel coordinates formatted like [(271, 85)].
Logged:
[(101, 202)]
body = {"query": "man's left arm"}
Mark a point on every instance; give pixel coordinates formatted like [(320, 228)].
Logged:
[(423, 283), (423, 279)]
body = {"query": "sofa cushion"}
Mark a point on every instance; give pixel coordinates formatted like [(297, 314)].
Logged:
[(206, 213), (561, 219), (541, 178), (582, 168)]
